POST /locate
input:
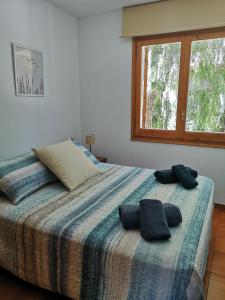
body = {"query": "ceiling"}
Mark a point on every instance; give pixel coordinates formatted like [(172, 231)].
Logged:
[(81, 8)]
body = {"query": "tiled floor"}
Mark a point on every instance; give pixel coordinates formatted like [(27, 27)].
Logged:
[(215, 274), (12, 288)]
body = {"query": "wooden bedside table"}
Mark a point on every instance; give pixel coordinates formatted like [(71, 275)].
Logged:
[(102, 159)]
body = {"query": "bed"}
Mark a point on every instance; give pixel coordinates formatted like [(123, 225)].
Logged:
[(73, 242)]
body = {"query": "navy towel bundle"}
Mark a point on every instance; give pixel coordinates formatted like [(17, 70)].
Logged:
[(153, 221), (173, 214), (184, 177), (130, 215), (167, 176)]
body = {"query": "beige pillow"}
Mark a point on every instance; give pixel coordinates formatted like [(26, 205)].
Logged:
[(68, 163)]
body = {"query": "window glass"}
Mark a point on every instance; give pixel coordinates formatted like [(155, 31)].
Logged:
[(160, 81), (206, 93)]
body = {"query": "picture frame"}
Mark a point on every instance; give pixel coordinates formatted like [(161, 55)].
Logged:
[(28, 71)]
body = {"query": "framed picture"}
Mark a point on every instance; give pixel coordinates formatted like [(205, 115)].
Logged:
[(28, 71)]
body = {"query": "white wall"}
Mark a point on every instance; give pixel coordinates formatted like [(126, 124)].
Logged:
[(27, 121), (105, 76)]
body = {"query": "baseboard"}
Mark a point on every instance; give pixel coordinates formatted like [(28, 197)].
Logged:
[(217, 205)]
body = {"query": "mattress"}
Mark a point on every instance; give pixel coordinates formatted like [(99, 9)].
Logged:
[(73, 242)]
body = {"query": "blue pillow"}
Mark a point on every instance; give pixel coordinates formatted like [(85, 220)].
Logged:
[(22, 176), (86, 152)]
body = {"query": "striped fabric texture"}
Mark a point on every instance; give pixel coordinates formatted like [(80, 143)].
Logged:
[(22, 176), (25, 174), (74, 244)]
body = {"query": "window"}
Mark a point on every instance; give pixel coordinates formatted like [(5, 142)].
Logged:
[(179, 88)]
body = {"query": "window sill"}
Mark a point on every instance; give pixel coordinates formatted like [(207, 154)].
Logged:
[(178, 141)]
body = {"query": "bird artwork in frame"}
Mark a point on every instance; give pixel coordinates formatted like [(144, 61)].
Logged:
[(28, 71)]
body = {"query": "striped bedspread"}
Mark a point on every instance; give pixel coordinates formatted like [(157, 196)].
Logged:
[(74, 244)]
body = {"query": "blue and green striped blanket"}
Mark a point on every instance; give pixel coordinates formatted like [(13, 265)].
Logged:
[(74, 244)]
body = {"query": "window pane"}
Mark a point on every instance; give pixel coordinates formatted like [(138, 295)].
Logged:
[(160, 80), (206, 95)]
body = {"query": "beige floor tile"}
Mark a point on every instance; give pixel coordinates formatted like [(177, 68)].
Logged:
[(220, 231), (218, 264), (216, 290), (219, 245)]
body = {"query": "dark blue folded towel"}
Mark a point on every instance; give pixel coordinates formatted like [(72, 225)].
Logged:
[(130, 215), (153, 220), (173, 214), (184, 177), (167, 176)]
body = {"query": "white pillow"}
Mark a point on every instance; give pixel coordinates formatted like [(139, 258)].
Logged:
[(68, 163)]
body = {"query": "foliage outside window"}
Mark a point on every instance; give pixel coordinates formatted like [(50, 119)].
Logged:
[(179, 88)]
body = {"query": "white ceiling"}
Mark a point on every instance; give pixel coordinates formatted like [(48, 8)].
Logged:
[(81, 8)]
